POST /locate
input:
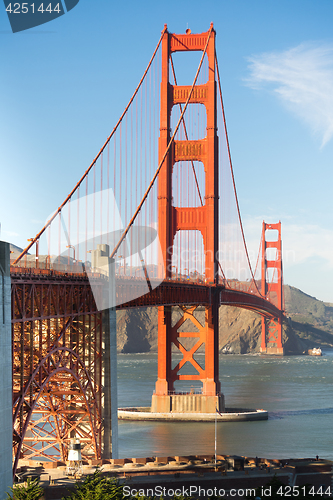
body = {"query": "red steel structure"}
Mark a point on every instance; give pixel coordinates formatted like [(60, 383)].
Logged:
[(271, 339), (57, 365), (204, 219), (58, 333)]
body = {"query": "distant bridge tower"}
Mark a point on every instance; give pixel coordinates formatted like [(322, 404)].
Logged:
[(204, 219), (272, 288)]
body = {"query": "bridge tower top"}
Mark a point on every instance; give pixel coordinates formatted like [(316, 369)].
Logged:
[(272, 261), (205, 150), (204, 218)]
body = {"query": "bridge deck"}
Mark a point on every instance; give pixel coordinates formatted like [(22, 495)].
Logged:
[(169, 292)]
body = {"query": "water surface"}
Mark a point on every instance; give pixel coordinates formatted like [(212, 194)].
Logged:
[(297, 391)]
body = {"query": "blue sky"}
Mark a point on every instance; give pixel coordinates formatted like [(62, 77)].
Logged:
[(64, 85)]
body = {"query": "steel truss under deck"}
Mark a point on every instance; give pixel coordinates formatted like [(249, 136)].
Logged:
[(57, 366)]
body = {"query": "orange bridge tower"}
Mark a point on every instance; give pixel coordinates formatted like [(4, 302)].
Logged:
[(272, 287), (172, 219)]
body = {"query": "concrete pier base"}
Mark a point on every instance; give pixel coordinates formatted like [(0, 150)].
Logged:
[(229, 415), (273, 351), (187, 403)]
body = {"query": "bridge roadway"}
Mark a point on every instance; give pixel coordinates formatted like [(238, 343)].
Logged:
[(168, 292)]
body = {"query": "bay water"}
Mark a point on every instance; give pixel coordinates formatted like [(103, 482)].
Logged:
[(297, 391)]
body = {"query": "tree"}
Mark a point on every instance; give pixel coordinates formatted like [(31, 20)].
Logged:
[(97, 487), (32, 491)]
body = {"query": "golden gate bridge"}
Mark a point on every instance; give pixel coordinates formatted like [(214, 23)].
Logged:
[(160, 199)]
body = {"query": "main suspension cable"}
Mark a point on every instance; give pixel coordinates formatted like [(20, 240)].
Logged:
[(33, 241), (165, 153)]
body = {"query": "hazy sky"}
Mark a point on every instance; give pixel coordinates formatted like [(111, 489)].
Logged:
[(64, 85)]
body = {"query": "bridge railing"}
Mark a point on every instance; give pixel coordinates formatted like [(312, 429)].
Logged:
[(194, 391), (28, 266)]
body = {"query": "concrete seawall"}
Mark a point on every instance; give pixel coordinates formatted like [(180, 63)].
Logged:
[(232, 474)]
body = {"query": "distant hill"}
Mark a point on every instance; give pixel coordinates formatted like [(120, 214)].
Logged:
[(310, 324), (15, 251), (311, 319)]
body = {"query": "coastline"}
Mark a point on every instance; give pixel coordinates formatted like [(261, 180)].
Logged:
[(228, 473)]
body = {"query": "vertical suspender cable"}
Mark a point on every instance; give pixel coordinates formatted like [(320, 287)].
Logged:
[(78, 225), (232, 173), (101, 209), (86, 244), (108, 191), (94, 204), (120, 172)]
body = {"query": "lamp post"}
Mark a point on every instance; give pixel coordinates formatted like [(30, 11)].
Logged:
[(71, 246), (176, 274), (137, 270), (124, 266), (37, 251)]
